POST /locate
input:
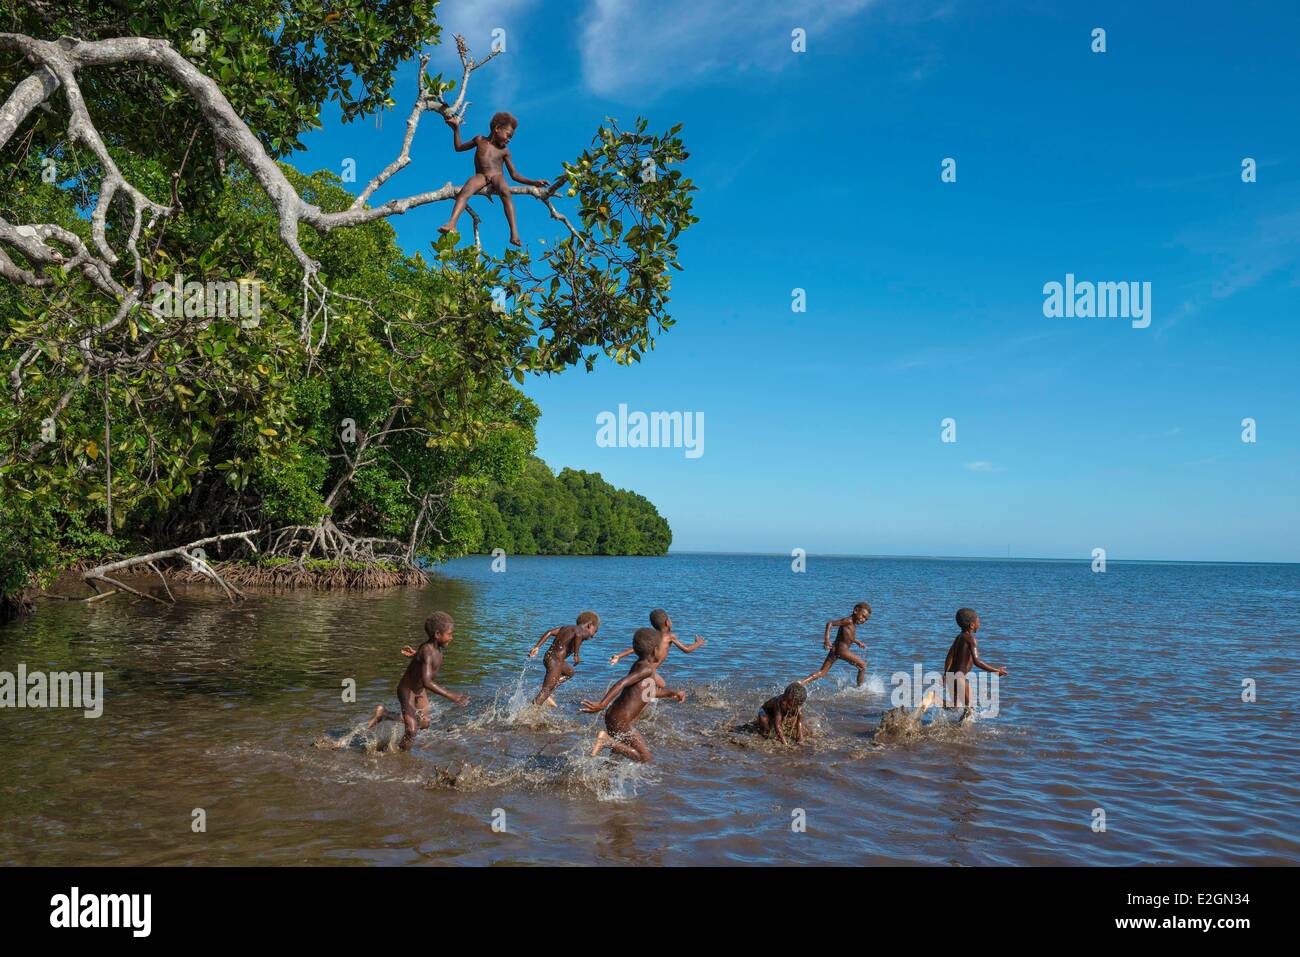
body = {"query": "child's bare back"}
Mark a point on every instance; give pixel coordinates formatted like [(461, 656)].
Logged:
[(626, 699), (661, 623), (567, 641)]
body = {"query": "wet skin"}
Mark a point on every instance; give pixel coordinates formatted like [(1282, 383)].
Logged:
[(846, 636), (665, 645), (625, 701), (414, 687), (491, 162), (567, 641), (772, 715)]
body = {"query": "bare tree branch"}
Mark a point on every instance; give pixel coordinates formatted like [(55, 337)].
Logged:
[(101, 573), (60, 60)]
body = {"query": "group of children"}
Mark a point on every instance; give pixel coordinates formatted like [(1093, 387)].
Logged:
[(627, 698)]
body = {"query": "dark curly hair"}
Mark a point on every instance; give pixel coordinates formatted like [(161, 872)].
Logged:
[(645, 642), (437, 623)]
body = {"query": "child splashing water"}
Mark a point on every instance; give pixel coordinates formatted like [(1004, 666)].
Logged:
[(629, 698), (568, 641), (418, 680), (846, 636)]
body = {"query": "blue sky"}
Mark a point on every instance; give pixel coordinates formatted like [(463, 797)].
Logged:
[(821, 171)]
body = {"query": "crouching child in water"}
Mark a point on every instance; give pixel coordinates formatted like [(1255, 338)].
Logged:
[(418, 680), (785, 707), (627, 698)]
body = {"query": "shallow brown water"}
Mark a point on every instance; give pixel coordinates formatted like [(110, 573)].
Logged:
[(1131, 705)]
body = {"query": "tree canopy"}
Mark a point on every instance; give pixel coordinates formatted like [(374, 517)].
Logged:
[(574, 513), (367, 411)]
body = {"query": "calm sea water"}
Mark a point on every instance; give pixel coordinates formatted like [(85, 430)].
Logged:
[(1124, 695)]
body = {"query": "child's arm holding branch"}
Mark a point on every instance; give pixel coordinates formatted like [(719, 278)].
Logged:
[(454, 122)]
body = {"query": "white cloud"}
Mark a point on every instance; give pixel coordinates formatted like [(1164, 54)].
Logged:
[(1245, 252), (475, 21), (631, 47), (982, 467)]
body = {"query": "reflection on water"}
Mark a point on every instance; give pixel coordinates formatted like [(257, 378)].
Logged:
[(1124, 694)]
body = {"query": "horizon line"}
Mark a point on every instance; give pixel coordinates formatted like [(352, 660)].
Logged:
[(943, 558), (974, 558)]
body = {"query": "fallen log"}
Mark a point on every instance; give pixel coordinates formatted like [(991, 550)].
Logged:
[(98, 575)]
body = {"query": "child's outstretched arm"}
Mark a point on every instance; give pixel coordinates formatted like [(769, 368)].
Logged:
[(514, 174), (615, 659), (985, 666), (699, 643), (431, 685), (454, 122), (550, 633), (633, 676), (451, 696)]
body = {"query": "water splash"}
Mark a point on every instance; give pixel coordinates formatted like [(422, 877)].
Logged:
[(385, 736), (512, 707), (608, 776), (710, 695), (845, 686), (900, 724)]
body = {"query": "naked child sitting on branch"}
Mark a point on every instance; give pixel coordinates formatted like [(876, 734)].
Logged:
[(490, 156)]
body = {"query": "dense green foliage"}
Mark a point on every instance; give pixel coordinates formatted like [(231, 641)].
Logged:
[(231, 427), (399, 436), (574, 513), (277, 61)]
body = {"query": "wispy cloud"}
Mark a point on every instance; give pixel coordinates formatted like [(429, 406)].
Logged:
[(642, 48), (1243, 255), (476, 21), (983, 466)]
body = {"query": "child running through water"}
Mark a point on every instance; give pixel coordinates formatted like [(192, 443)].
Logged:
[(629, 698), (418, 680), (568, 641), (661, 623), (962, 656), (846, 636)]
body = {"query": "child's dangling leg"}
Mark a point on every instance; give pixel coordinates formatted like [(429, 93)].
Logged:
[(472, 186)]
